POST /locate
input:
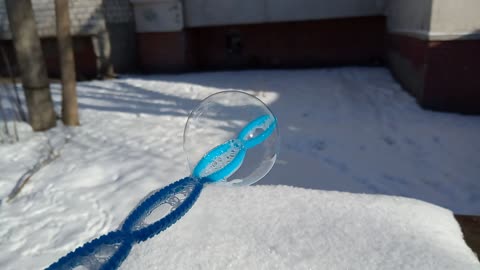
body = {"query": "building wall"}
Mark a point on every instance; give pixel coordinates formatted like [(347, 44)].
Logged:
[(455, 19), (121, 33), (4, 27), (433, 50), (86, 17), (410, 17), (103, 30), (174, 15), (154, 16), (226, 12), (434, 19), (427, 19), (117, 11)]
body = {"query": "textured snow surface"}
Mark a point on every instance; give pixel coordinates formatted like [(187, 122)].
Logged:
[(348, 129), (278, 227)]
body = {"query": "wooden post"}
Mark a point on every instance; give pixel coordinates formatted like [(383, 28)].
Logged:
[(31, 63), (67, 64)]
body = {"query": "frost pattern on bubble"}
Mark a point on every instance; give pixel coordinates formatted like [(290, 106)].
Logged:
[(259, 129), (224, 159)]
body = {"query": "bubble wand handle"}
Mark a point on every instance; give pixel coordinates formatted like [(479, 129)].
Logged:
[(110, 250)]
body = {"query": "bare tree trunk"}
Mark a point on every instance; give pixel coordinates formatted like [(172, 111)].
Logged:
[(18, 102), (31, 63), (67, 64)]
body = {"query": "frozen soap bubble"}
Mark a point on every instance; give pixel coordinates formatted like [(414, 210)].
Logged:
[(231, 138)]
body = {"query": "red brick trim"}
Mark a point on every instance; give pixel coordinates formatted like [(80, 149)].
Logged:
[(443, 75), (85, 59), (345, 41)]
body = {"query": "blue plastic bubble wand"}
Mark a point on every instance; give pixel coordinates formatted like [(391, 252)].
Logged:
[(110, 250)]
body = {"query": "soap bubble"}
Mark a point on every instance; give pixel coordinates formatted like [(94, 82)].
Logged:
[(224, 127)]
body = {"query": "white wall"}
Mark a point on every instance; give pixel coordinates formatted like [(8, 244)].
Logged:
[(426, 19), (225, 12), (434, 19), (455, 18), (297, 10), (410, 17), (158, 15), (87, 16)]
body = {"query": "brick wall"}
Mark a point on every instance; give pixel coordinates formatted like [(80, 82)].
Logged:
[(87, 16)]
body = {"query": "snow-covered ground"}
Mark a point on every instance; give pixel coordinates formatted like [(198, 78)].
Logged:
[(345, 129)]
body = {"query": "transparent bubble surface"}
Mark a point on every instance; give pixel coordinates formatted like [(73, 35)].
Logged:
[(219, 120)]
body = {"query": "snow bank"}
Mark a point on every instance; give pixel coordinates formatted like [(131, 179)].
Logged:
[(280, 227)]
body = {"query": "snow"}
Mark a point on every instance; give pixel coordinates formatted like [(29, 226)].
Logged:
[(306, 229), (345, 129)]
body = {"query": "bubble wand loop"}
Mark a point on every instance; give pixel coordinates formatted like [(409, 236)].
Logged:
[(110, 250)]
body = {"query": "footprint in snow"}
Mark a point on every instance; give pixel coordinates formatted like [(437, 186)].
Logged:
[(336, 164)]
